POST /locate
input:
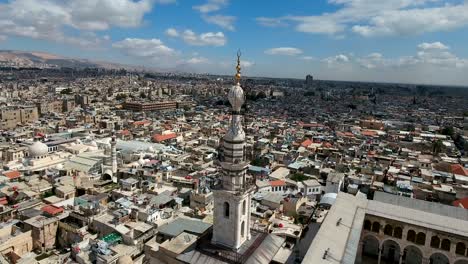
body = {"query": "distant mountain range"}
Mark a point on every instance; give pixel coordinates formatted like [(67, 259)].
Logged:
[(14, 58)]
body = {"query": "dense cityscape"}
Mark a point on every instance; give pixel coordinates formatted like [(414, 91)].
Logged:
[(114, 166), (233, 132)]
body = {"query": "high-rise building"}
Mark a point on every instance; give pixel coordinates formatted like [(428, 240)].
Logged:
[(231, 226), (309, 81)]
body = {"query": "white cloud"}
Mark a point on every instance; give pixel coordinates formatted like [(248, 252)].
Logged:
[(203, 39), (47, 19), (308, 58), (336, 60), (270, 22), (381, 17), (211, 6), (433, 45), (287, 51), (3, 38), (172, 32), (226, 22), (166, 2), (434, 54), (246, 64), (147, 48), (197, 60)]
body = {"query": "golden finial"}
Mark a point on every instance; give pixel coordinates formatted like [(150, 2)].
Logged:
[(238, 67)]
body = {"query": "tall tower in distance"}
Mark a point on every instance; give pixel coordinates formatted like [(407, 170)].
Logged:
[(113, 144), (231, 217)]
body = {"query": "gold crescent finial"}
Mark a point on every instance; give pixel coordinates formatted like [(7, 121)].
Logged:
[(238, 67)]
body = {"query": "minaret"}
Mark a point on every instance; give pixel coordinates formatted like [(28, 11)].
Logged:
[(231, 217), (114, 155)]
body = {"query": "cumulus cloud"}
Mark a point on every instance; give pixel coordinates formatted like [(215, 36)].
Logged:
[(211, 6), (434, 54), (336, 60), (226, 22), (433, 45), (147, 48), (172, 32), (287, 51), (203, 39), (48, 19), (371, 18)]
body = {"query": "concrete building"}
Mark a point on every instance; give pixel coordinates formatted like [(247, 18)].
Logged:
[(12, 116), (391, 229)]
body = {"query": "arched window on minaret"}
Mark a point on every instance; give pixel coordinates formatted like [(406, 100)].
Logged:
[(243, 207), (226, 209), (242, 228)]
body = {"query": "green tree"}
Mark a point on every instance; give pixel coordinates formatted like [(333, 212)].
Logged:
[(437, 146)]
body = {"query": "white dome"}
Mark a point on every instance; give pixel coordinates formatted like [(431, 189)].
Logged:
[(236, 97), (38, 149)]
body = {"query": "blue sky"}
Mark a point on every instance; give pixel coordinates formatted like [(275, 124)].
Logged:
[(415, 41)]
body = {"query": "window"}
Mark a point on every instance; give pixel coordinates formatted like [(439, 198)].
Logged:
[(421, 238), (243, 207), (435, 242), (375, 227), (226, 209), (445, 245), (398, 232), (242, 229), (367, 225), (388, 230), (460, 249)]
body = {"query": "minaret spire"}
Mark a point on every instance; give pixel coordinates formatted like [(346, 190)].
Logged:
[(238, 67), (231, 218)]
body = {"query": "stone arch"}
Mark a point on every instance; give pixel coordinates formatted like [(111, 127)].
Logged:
[(461, 261), (390, 251), (421, 238), (375, 227), (412, 255), (367, 225), (435, 242), (439, 258), (388, 230), (370, 247), (445, 245), (226, 209), (460, 248), (398, 232), (411, 236)]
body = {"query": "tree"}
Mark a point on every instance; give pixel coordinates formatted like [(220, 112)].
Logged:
[(437, 146), (448, 131), (66, 91), (121, 97)]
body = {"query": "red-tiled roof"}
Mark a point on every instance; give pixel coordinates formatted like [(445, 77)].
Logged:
[(141, 123), (306, 143), (125, 132), (52, 210), (161, 138), (368, 133), (461, 203), (277, 183), (12, 174), (327, 145), (459, 170)]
